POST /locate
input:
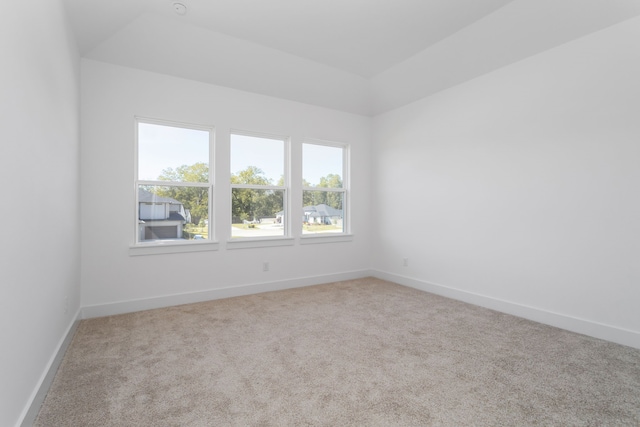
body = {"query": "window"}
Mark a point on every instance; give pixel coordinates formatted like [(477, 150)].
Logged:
[(174, 190), (173, 183), (324, 190), (259, 170)]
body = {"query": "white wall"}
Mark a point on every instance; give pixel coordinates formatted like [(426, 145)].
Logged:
[(39, 100), (520, 189), (111, 97), (532, 27), (157, 43)]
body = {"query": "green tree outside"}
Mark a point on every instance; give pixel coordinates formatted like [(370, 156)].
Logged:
[(330, 198), (249, 204), (195, 199), (246, 204)]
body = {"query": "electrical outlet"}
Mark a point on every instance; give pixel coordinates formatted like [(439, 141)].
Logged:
[(405, 262), (265, 266)]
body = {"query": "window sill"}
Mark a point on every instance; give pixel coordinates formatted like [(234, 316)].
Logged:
[(171, 248), (311, 239), (244, 243)]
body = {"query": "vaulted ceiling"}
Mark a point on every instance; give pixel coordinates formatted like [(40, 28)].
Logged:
[(360, 56)]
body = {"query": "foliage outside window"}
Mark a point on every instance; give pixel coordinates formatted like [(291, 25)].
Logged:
[(173, 185), (324, 190), (258, 186)]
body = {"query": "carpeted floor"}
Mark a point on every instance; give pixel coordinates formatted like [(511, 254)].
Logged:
[(363, 353)]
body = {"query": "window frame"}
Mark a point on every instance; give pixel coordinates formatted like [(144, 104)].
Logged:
[(346, 234), (263, 241), (171, 246)]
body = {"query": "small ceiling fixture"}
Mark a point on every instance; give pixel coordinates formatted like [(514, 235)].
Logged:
[(180, 8)]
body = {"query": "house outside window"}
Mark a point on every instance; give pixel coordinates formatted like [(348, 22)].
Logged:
[(259, 183), (173, 182), (324, 188)]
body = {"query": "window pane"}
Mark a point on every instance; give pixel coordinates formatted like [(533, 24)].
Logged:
[(322, 166), (169, 153), (257, 213), (172, 213), (322, 212), (256, 160)]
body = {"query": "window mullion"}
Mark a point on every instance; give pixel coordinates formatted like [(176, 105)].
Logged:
[(173, 183), (258, 187), (335, 190)]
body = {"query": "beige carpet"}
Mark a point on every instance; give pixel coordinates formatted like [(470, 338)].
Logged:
[(363, 352)]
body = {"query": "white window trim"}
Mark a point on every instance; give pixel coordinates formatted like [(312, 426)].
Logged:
[(309, 239), (168, 246), (259, 242)]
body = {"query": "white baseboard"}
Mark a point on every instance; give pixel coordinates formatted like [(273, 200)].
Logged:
[(101, 310), (30, 412), (563, 321)]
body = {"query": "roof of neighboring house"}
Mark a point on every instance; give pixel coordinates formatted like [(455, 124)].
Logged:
[(323, 210), (175, 216), (145, 196), (320, 210)]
